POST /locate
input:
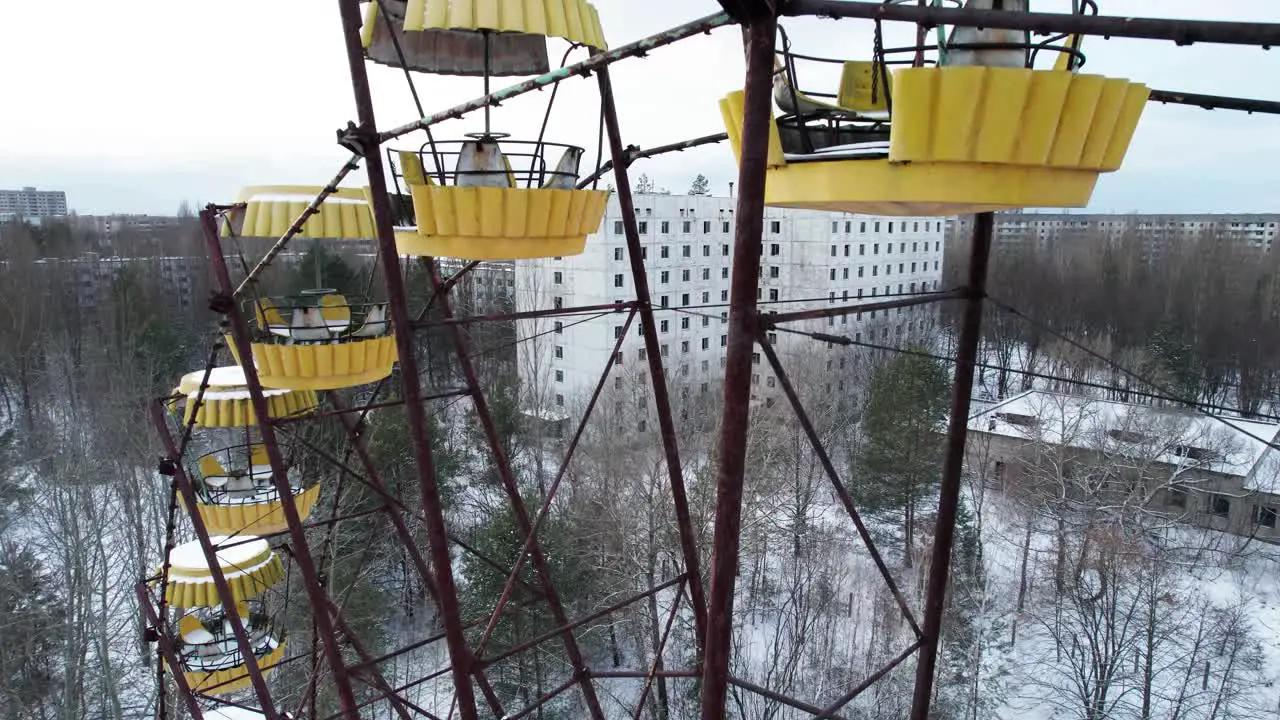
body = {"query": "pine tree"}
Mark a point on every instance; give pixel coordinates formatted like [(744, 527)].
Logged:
[(902, 450), (700, 186), (31, 617)]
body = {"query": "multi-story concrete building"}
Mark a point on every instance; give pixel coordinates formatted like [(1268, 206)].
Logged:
[(1164, 463), (810, 259), (1157, 232), (29, 203)]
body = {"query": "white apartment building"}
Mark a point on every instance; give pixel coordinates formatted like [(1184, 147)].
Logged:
[(810, 260), (31, 203)]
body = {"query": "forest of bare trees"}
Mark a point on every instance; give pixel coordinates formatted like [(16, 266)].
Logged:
[(1060, 602), (1196, 316)]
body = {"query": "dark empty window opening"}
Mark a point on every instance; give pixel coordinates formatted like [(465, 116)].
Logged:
[(1264, 516), (1219, 505), (1016, 419)]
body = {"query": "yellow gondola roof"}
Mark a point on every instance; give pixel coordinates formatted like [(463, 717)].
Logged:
[(476, 37), (573, 20), (248, 563), (226, 401), (270, 210)]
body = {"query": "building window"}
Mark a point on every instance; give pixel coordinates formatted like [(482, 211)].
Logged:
[(706, 321), (835, 226), (706, 273), (890, 228), (861, 269), (706, 343), (845, 273), (833, 273), (755, 358), (706, 251), (663, 326), (644, 227), (664, 252), (684, 275), (664, 276), (686, 251), (724, 341), (724, 251), (775, 227), (913, 267), (1264, 516), (876, 227), (724, 227), (686, 227), (641, 426), (773, 271), (558, 278), (662, 301), (617, 227), (559, 376), (617, 254), (913, 247), (559, 327), (706, 297), (706, 226), (848, 226), (558, 302), (875, 249), (560, 400), (1219, 505), (770, 382), (617, 331), (1177, 497), (684, 299), (665, 350), (875, 270), (644, 253), (724, 296), (724, 273), (684, 346), (617, 280), (665, 227), (640, 354), (684, 323), (833, 251), (559, 352), (773, 294), (775, 249)]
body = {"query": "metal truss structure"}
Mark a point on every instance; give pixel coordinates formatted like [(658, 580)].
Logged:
[(703, 587)]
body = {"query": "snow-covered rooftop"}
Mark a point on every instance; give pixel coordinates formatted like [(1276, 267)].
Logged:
[(1178, 437)]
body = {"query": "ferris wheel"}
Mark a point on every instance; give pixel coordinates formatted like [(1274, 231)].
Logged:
[(273, 455)]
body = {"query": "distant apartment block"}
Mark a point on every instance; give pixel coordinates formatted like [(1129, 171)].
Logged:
[(111, 226), (809, 259), (1158, 232), (32, 203)]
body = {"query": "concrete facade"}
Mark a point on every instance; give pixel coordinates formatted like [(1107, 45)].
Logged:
[(810, 259), (1174, 464)]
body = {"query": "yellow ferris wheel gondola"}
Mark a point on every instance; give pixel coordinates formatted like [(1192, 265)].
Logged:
[(488, 197), (210, 659), (979, 131), (235, 493)]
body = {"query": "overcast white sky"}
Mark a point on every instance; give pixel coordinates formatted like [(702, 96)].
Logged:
[(137, 106)]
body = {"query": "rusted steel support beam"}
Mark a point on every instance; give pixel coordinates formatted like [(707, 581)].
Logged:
[(509, 485), (819, 313), (524, 315), (636, 49), (152, 619), (653, 354), (437, 536), (1215, 102), (777, 696), (1183, 32), (841, 491), (953, 463), (279, 468), (633, 155), (759, 40), (188, 493), (516, 649), (831, 710), (376, 678), (656, 667)]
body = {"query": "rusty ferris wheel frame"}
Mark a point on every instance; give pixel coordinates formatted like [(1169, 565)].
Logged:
[(711, 608)]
